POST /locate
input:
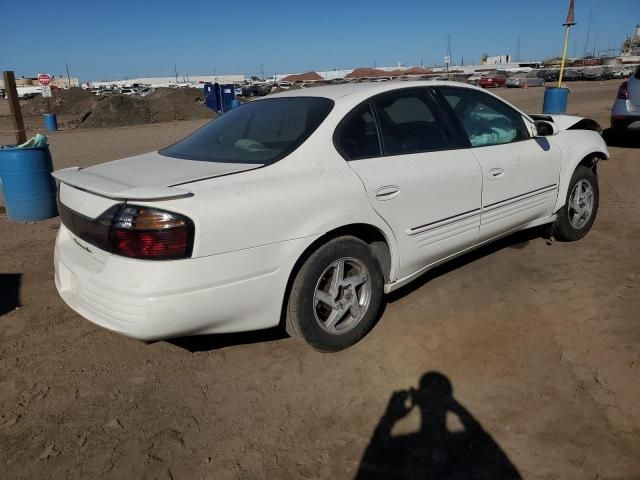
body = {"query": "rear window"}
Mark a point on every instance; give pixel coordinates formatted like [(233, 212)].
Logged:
[(637, 75), (260, 132)]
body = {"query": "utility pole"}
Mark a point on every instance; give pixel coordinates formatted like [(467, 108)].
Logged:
[(66, 65), (262, 71), (14, 106), (448, 54), (586, 42), (175, 69)]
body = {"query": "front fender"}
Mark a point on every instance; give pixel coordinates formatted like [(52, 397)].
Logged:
[(576, 146)]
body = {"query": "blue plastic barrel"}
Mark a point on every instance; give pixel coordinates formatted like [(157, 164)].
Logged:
[(28, 188), (555, 100), (50, 121)]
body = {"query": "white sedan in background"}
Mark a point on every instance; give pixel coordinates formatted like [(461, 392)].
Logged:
[(306, 207)]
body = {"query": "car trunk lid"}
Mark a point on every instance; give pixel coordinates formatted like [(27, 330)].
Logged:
[(150, 176)]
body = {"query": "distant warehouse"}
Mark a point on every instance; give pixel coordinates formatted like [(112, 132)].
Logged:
[(167, 81)]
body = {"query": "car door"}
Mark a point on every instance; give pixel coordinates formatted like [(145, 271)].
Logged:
[(417, 176), (520, 173)]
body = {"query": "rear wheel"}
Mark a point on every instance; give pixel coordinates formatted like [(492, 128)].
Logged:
[(336, 296), (576, 218)]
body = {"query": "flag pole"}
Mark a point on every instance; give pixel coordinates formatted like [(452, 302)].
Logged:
[(568, 24)]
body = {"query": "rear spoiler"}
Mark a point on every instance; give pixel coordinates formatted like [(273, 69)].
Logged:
[(108, 188)]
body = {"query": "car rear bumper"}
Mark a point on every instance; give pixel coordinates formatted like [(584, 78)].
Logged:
[(625, 116), (153, 300), (626, 123)]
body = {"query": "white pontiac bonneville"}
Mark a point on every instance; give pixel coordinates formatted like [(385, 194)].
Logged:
[(309, 205)]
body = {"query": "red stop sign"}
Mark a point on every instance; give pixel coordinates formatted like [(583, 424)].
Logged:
[(44, 79)]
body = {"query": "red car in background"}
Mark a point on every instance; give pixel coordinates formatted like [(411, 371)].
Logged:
[(492, 81)]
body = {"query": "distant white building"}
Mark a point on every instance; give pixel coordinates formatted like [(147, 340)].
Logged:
[(168, 81), (499, 59)]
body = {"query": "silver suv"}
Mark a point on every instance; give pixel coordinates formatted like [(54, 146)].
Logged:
[(626, 109)]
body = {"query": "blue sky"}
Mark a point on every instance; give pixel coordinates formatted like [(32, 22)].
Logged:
[(114, 39)]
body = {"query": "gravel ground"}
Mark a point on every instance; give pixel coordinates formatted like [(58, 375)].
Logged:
[(531, 351)]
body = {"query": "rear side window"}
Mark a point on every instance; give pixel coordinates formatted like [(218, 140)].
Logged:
[(259, 132), (637, 75), (409, 123), (358, 135), (485, 119)]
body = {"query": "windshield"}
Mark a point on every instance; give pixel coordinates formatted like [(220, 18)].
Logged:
[(259, 132)]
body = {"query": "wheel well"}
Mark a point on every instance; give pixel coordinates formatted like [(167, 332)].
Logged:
[(365, 232), (591, 161)]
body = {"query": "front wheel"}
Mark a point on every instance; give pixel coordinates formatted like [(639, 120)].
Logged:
[(576, 217), (336, 296)]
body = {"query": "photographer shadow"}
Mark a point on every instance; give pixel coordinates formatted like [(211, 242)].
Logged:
[(434, 452)]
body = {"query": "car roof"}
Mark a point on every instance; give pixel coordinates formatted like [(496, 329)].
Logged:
[(336, 92), (349, 95)]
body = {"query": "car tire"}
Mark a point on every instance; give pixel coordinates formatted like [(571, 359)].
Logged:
[(326, 308), (577, 216)]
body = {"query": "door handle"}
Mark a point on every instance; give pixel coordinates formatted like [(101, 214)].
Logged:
[(387, 192), (495, 173)]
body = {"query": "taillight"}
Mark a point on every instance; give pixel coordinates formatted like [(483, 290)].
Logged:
[(623, 91), (152, 234)]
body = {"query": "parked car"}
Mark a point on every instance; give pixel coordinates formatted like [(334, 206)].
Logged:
[(293, 207), (571, 75), (146, 91), (602, 73), (524, 80), (492, 81), (472, 80), (549, 75), (625, 115), (256, 90), (128, 91), (625, 72)]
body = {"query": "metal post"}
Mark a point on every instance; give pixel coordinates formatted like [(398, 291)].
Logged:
[(68, 76), (564, 55), (14, 105)]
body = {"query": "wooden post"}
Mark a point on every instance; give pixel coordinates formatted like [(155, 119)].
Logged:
[(14, 105)]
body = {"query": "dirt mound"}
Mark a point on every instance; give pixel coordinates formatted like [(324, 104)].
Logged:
[(411, 71), (367, 73), (118, 110), (74, 101), (178, 104), (302, 77), (163, 105)]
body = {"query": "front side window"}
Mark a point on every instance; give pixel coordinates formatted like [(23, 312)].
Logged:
[(409, 124), (259, 132), (485, 119)]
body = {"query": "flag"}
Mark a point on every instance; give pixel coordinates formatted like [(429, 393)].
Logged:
[(571, 18)]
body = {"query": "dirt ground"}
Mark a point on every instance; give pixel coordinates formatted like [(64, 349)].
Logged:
[(530, 351)]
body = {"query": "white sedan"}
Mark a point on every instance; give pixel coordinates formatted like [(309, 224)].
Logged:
[(306, 207)]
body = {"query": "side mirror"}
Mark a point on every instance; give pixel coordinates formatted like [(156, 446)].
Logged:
[(546, 129)]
